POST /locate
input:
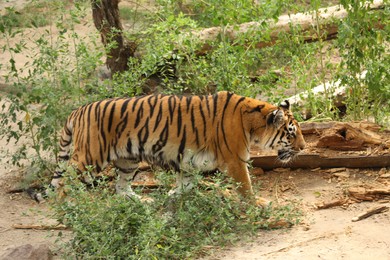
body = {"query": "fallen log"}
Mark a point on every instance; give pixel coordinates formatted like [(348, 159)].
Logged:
[(368, 194), (370, 212), (316, 161), (326, 18), (343, 136), (319, 127), (334, 90)]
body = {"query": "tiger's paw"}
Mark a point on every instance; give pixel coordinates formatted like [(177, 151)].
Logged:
[(128, 193), (147, 199), (263, 202), (132, 195), (180, 190), (36, 195)]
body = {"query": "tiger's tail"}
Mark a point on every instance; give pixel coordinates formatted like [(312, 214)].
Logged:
[(66, 140), (63, 156), (64, 151)]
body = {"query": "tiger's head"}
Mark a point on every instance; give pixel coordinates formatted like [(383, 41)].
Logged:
[(287, 136), (277, 130)]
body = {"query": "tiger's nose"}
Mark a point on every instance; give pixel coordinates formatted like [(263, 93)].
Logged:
[(301, 145)]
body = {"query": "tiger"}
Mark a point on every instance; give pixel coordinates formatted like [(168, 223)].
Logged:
[(203, 132)]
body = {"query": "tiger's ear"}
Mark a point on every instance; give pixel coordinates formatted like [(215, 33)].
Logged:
[(276, 118), (285, 104)]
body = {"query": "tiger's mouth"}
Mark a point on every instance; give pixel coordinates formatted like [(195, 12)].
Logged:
[(286, 155)]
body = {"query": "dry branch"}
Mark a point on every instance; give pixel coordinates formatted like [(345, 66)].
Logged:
[(275, 224), (40, 227), (302, 243), (146, 184), (326, 17), (371, 212), (332, 203), (15, 190)]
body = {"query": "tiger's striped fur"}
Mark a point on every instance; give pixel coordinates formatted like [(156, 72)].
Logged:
[(205, 132)]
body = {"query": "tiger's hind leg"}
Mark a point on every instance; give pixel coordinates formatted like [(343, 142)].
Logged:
[(127, 170)]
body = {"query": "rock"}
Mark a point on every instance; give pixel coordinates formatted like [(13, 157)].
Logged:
[(257, 171), (342, 175), (28, 252)]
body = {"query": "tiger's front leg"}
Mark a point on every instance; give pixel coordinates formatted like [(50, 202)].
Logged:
[(240, 174), (184, 182)]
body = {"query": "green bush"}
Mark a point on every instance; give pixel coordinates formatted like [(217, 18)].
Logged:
[(362, 45), (31, 14), (110, 226), (44, 90)]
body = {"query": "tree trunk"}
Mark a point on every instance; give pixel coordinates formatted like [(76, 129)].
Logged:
[(107, 21)]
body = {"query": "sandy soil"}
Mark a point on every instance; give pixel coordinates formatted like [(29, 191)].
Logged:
[(17, 4), (322, 234), (20, 209)]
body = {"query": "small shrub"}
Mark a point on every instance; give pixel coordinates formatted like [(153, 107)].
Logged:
[(110, 226), (363, 47), (31, 14), (44, 89)]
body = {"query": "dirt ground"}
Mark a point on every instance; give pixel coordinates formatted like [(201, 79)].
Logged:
[(322, 234)]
